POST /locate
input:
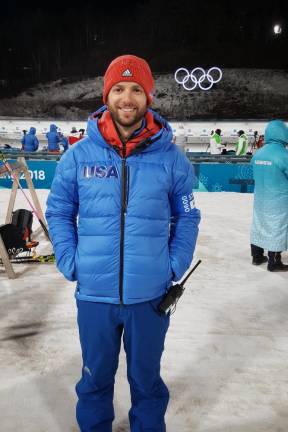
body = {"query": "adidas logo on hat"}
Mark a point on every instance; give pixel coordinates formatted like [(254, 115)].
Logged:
[(129, 68), (127, 73)]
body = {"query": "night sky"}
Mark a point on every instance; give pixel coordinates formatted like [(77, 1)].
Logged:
[(46, 41)]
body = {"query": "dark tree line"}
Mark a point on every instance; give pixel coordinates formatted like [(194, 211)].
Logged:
[(58, 40)]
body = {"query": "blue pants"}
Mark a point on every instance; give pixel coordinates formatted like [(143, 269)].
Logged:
[(101, 326)]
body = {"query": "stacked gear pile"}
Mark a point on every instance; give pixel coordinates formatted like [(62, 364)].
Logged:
[(16, 237)]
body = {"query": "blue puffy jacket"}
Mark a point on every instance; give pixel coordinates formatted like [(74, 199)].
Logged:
[(270, 167), (137, 222), (53, 138), (30, 142)]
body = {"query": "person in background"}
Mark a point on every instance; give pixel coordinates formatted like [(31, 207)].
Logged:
[(63, 141), (74, 136), (180, 137), (81, 131), (260, 142), (30, 141), (242, 144), (252, 146), (216, 146), (53, 139), (124, 195), (269, 228)]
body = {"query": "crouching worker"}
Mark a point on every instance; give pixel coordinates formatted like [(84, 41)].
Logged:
[(130, 189)]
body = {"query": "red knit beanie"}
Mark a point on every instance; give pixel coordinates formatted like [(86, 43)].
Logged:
[(129, 68)]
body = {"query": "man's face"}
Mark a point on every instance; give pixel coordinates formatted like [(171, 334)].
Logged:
[(127, 103)]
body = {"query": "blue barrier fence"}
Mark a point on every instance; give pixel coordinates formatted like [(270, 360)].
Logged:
[(209, 177), (223, 177)]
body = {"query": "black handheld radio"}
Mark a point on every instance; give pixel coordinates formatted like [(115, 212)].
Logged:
[(174, 293)]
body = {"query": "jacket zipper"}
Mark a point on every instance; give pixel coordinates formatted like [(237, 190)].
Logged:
[(122, 223), (124, 187)]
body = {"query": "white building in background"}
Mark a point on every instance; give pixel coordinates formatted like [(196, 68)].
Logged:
[(194, 135)]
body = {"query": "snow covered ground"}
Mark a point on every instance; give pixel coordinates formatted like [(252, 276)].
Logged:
[(226, 352)]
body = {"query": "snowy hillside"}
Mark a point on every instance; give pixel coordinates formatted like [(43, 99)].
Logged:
[(242, 93)]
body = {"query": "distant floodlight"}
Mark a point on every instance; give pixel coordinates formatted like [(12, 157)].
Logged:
[(277, 29)]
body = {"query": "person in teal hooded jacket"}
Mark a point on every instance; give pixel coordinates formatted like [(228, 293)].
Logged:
[(270, 216), (124, 224)]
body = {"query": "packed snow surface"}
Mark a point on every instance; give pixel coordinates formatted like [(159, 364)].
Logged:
[(225, 360)]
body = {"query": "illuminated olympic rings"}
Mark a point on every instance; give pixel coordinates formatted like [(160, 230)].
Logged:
[(197, 79)]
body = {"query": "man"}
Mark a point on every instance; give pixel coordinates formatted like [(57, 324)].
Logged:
[(180, 138), (81, 133), (74, 136), (131, 189), (270, 217), (53, 139), (242, 144), (63, 141), (260, 142), (30, 141), (215, 142)]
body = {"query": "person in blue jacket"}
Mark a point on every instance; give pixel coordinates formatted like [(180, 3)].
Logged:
[(63, 141), (53, 139), (124, 225), (270, 216), (30, 141)]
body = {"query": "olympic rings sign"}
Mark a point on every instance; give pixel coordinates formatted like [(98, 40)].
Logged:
[(199, 77)]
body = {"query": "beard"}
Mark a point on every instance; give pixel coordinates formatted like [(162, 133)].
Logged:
[(127, 119)]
